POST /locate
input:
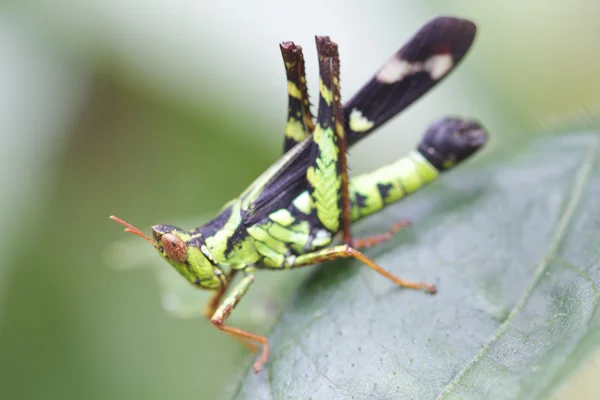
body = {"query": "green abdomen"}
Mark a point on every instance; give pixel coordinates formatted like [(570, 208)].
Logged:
[(371, 192)]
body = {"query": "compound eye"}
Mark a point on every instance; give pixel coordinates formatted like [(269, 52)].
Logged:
[(175, 248)]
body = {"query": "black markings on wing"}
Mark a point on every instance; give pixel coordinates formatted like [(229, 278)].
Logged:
[(216, 224), (283, 187), (210, 228), (311, 218), (425, 60)]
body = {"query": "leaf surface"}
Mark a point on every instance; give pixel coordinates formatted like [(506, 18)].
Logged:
[(512, 242)]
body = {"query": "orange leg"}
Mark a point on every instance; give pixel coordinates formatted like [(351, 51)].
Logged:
[(374, 240), (214, 301), (212, 305), (341, 143), (346, 251), (224, 310), (241, 334), (332, 165)]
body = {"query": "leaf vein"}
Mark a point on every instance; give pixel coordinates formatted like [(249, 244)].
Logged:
[(582, 177)]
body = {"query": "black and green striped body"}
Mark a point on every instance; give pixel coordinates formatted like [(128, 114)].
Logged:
[(296, 206), (295, 229), (290, 215)]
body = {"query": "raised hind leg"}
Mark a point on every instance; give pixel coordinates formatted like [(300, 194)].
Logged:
[(328, 173), (300, 121)]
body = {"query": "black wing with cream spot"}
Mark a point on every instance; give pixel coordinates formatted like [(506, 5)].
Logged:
[(425, 60)]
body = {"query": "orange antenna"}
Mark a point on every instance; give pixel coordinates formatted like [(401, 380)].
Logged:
[(132, 229)]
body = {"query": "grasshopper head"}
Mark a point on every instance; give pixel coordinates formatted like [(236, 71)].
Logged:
[(449, 141), (189, 256)]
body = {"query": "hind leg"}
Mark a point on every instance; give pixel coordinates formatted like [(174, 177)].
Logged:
[(346, 251), (300, 121)]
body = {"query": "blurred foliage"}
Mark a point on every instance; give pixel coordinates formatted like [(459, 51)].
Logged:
[(153, 111)]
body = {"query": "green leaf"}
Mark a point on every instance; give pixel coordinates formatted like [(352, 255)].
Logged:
[(512, 242)]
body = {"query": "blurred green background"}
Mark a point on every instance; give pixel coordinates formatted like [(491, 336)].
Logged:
[(162, 111)]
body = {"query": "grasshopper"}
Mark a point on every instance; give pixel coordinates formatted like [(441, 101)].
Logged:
[(290, 215)]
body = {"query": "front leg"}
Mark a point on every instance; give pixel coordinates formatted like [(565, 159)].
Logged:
[(328, 174), (222, 313), (213, 304)]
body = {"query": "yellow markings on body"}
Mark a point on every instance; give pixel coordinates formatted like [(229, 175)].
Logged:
[(426, 171), (325, 92), (293, 90), (243, 253), (261, 234), (301, 227), (358, 122), (407, 174), (400, 178), (372, 201), (322, 238), (294, 129), (325, 180), (206, 253), (195, 235), (271, 258), (271, 248), (283, 217), (303, 203), (397, 69), (185, 236), (287, 235), (202, 268)]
